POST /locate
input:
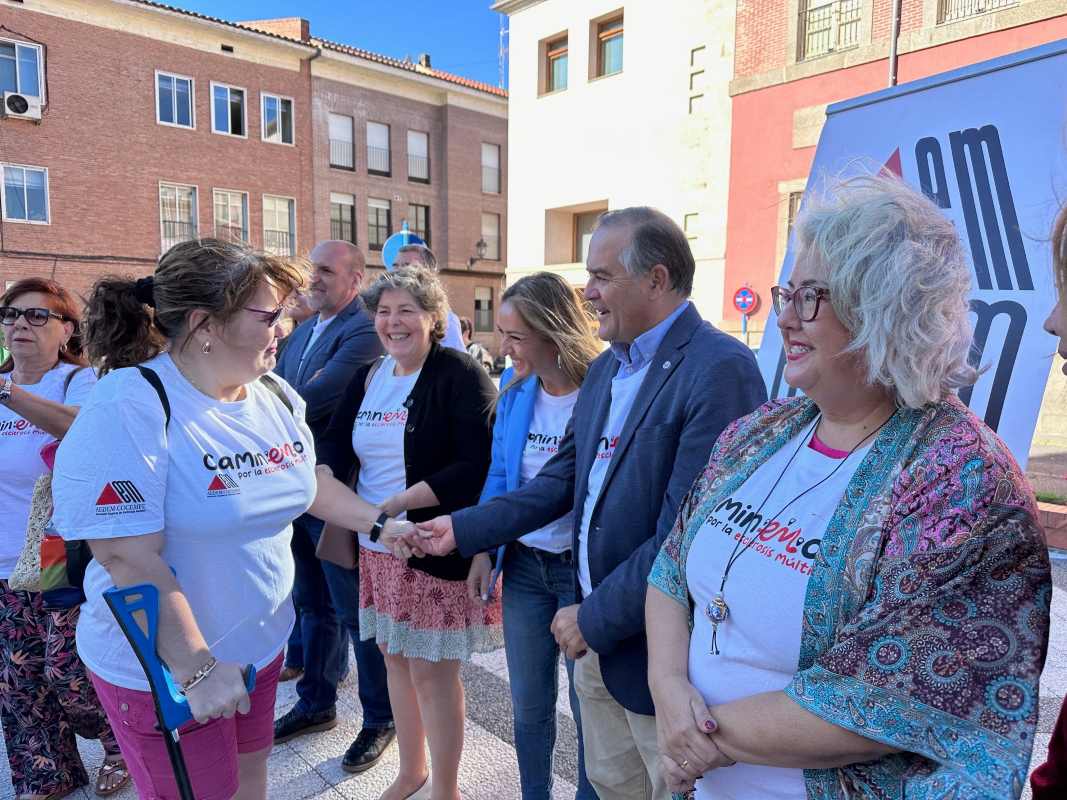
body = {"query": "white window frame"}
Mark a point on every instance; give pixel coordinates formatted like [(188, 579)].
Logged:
[(388, 147), (192, 101), (3, 196), (40, 67), (211, 98), (263, 118), (247, 228), (196, 205), (499, 225), (292, 218)]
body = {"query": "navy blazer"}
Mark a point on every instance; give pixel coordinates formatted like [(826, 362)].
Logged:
[(699, 380), (348, 342)]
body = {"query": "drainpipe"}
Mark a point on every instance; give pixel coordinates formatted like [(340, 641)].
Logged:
[(893, 37)]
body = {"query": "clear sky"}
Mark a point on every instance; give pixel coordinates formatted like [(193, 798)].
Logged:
[(462, 36)]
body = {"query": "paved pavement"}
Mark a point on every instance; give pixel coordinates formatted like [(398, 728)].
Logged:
[(310, 767)]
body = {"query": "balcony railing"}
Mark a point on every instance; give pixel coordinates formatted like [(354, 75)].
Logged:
[(341, 154), (418, 168), (341, 230), (231, 233), (491, 180), (378, 159), (952, 10), (280, 243), (176, 231), (828, 27)]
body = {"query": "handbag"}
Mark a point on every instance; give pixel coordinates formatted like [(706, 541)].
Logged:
[(338, 544), (26, 576)]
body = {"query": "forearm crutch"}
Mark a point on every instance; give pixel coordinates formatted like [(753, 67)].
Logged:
[(136, 608)]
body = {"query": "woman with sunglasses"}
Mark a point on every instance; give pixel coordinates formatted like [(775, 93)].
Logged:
[(854, 600), (45, 695), (192, 485)]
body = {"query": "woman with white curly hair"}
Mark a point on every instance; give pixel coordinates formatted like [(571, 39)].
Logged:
[(854, 600)]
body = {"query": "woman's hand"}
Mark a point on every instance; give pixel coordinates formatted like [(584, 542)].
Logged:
[(478, 587), (394, 506), (393, 536), (221, 694), (683, 728)]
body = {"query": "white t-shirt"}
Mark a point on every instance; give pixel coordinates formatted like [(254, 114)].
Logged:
[(759, 644), (623, 393), (378, 440), (454, 334), (549, 423), (20, 456), (223, 483)]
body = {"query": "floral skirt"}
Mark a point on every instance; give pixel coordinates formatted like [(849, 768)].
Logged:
[(416, 615)]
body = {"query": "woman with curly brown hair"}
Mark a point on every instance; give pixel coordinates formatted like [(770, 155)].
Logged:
[(45, 695)]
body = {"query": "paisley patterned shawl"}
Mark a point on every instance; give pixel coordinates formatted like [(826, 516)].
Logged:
[(927, 612)]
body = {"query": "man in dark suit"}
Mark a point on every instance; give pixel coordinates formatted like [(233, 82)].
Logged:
[(647, 415), (323, 354)]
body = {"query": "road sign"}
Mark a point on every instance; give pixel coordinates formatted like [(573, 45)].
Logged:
[(746, 300), (392, 245)]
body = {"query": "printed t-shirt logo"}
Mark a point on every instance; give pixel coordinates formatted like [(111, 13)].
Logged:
[(119, 497), (382, 418), (606, 447), (18, 427), (222, 485), (542, 443)]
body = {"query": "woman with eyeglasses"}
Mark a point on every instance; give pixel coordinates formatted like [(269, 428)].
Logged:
[(45, 695), (854, 600), (185, 470)]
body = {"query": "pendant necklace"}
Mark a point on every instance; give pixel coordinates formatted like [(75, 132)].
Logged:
[(717, 610)]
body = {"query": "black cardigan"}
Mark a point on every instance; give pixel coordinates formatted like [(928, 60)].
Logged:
[(447, 442)]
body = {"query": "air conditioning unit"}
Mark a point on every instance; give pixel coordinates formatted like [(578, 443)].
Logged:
[(21, 106)]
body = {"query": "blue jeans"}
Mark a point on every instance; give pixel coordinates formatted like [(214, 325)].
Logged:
[(319, 589), (536, 585)]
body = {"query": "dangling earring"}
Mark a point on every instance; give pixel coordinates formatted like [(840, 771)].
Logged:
[(206, 349), (559, 360)]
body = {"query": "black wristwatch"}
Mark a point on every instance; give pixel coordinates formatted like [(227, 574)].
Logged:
[(379, 524)]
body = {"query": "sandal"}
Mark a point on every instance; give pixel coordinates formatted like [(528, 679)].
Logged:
[(113, 776)]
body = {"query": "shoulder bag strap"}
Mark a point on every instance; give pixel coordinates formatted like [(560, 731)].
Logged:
[(275, 388), (152, 377)]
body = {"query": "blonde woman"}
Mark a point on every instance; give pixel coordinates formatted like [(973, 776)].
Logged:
[(549, 336)]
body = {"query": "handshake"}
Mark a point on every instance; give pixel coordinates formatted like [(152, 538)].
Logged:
[(406, 539)]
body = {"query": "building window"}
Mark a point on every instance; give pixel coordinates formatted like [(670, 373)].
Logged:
[(794, 209), (379, 222), (279, 223), (491, 236), (342, 154), (418, 156), (952, 10), (277, 119), (826, 27), (690, 223), (21, 68), (177, 214), (490, 168), (421, 222), (228, 110), (583, 234), (608, 51), (378, 162), (231, 215), (483, 309), (25, 197), (174, 100), (343, 217), (555, 65)]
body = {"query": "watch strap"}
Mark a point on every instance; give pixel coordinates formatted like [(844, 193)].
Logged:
[(379, 524)]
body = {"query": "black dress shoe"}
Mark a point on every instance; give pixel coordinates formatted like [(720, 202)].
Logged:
[(368, 749), (296, 723)]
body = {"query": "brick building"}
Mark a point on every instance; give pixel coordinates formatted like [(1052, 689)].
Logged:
[(157, 125), (794, 57)]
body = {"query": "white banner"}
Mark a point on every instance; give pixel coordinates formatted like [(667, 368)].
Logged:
[(989, 144)]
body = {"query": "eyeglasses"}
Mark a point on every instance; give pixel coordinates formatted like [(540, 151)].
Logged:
[(38, 317), (805, 300), (269, 317)]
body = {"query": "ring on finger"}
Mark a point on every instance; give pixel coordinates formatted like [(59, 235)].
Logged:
[(684, 764)]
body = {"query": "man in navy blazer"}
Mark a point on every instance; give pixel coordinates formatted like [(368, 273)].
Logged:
[(646, 418), (323, 354)]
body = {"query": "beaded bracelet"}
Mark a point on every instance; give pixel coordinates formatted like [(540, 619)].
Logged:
[(198, 676)]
